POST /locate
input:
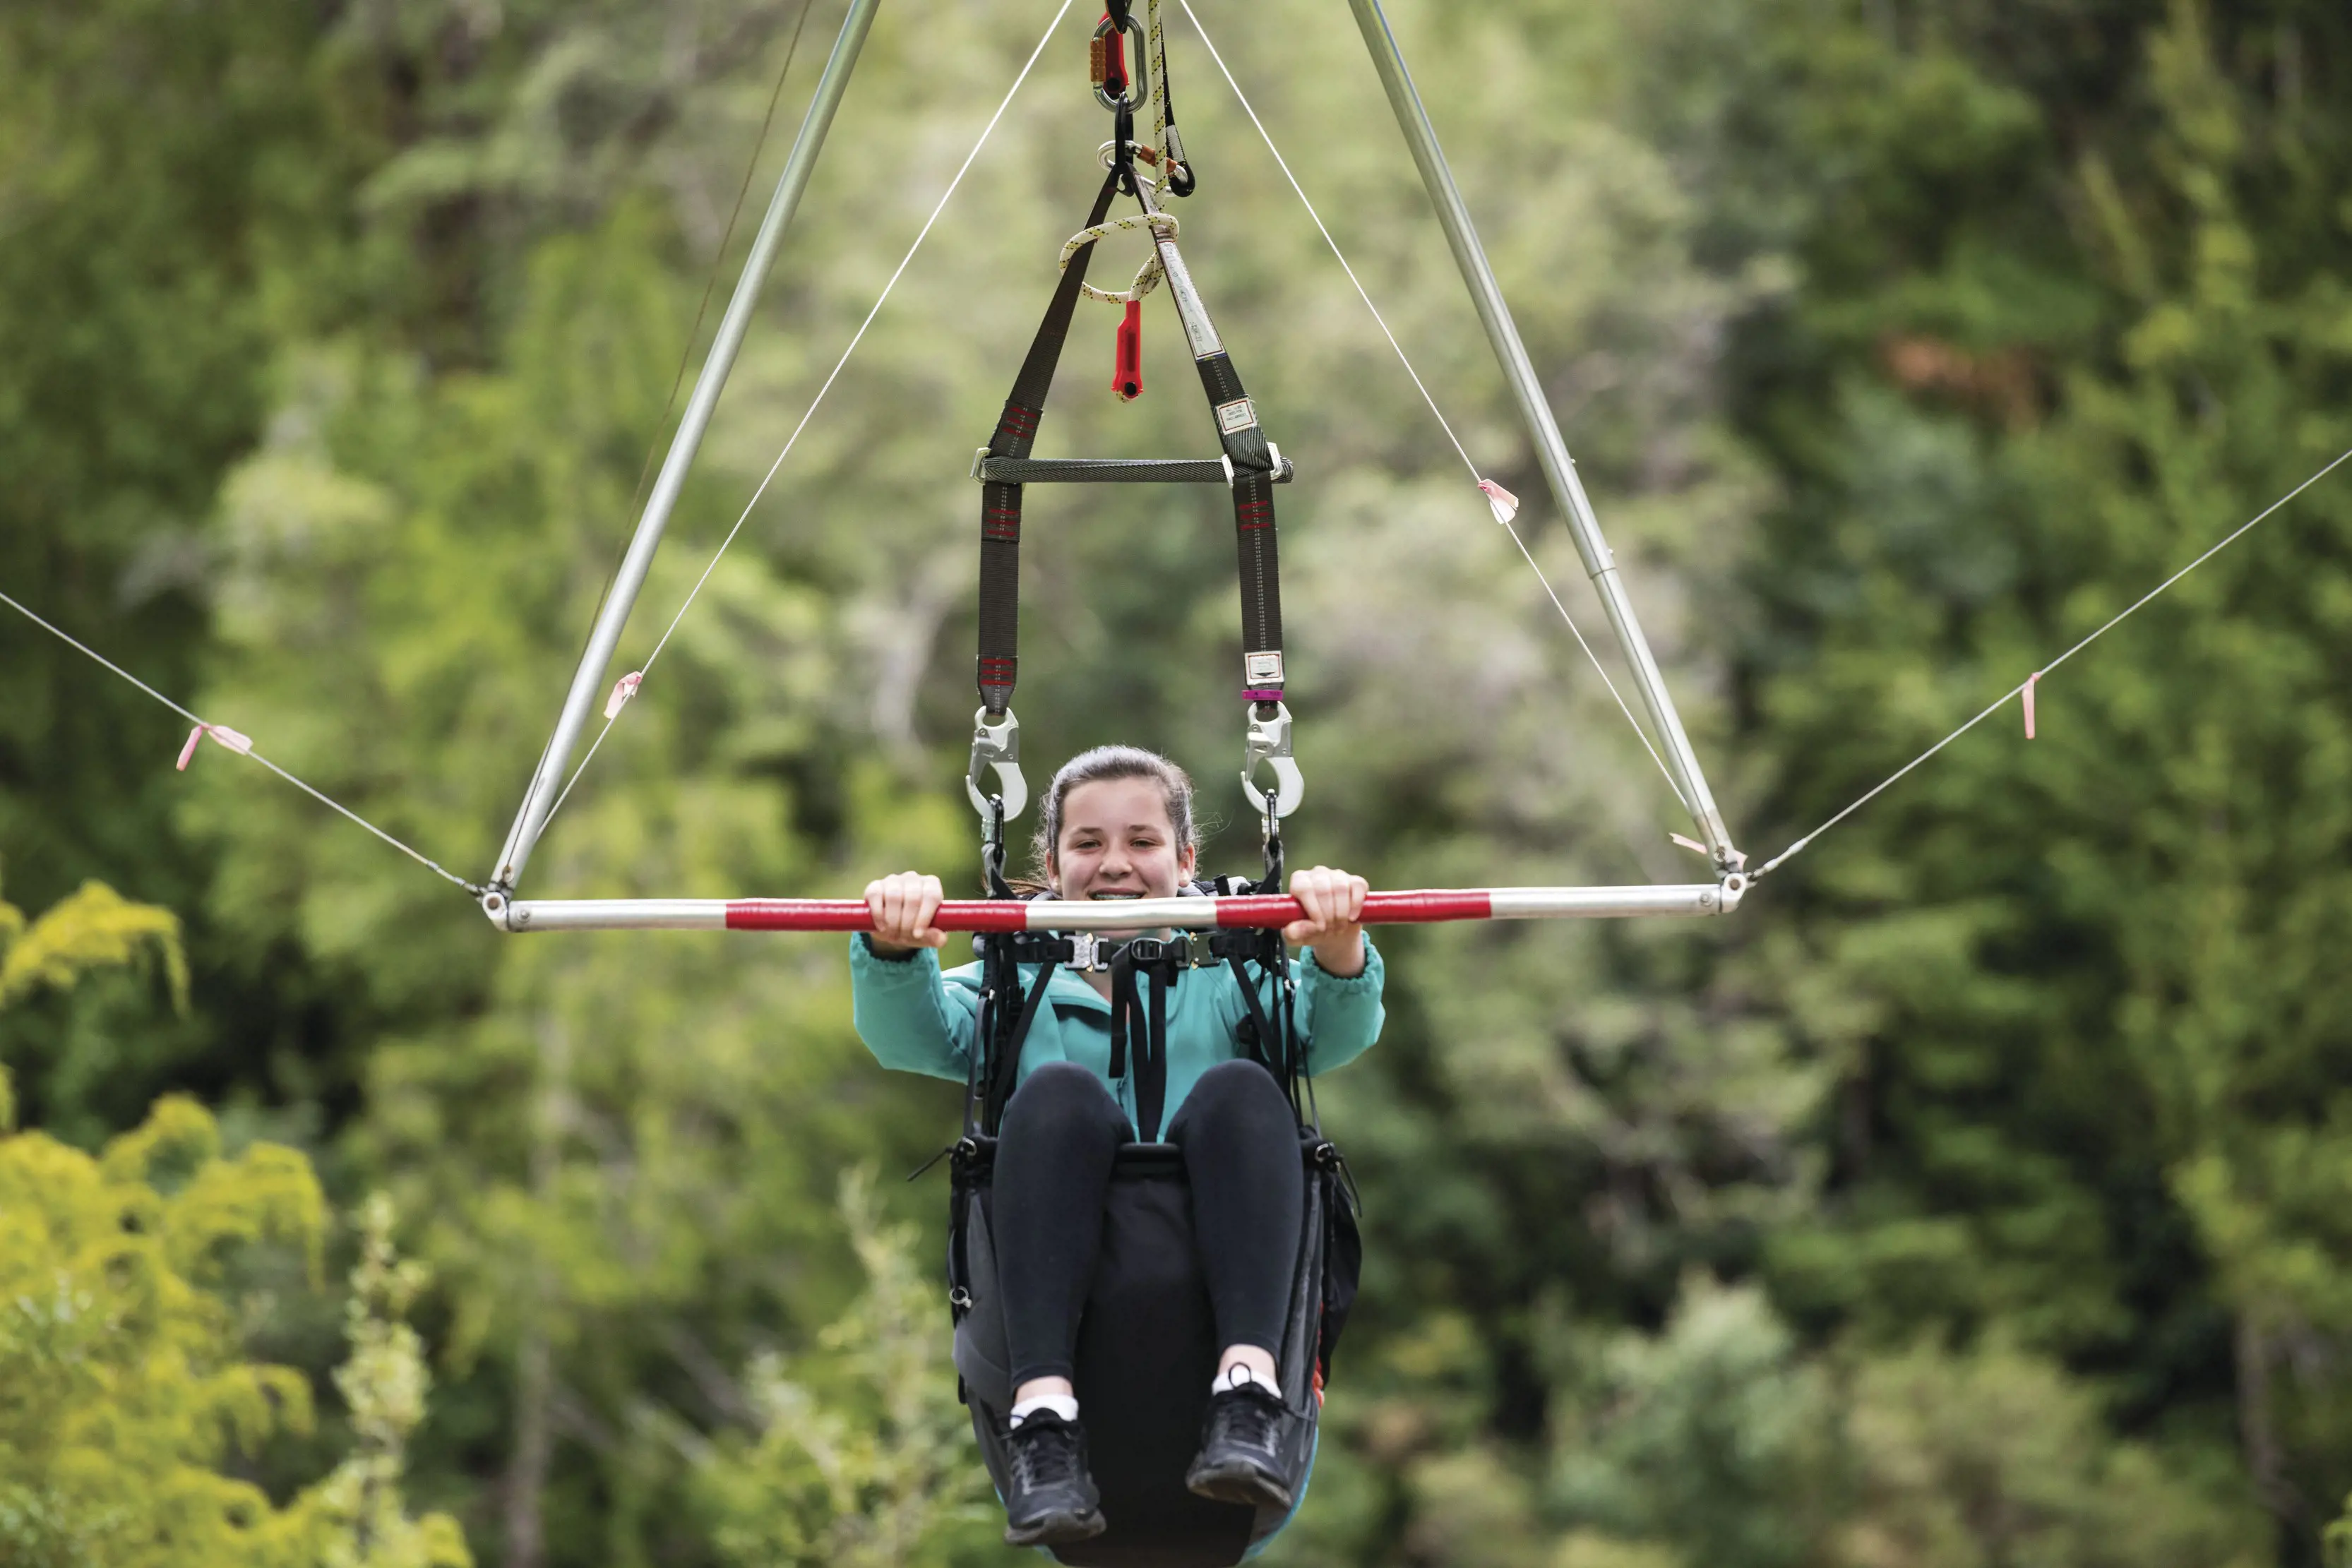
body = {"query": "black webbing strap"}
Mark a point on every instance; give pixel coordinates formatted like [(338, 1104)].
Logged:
[(1267, 1048), (998, 1065), (1277, 1032), (983, 1047), (1130, 1018), (1254, 541), (1254, 477), (999, 505)]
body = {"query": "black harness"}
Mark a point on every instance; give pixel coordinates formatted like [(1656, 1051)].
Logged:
[(1250, 465), (1144, 1410), (1142, 971)]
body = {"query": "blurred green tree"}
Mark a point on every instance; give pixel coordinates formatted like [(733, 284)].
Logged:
[(862, 1456), (2067, 323), (129, 1394)]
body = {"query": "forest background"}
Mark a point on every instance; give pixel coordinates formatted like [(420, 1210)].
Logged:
[(1982, 1193)]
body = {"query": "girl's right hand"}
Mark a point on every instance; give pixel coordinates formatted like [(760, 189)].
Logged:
[(902, 907)]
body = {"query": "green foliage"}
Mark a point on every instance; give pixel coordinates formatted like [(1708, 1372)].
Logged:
[(1719, 1442), (356, 1517), (129, 1396), (145, 279), (1997, 1456), (127, 1389), (2087, 1098), (1900, 345), (862, 1455), (1714, 1436), (95, 927)]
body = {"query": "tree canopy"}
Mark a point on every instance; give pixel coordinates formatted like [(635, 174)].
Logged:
[(1977, 1194)]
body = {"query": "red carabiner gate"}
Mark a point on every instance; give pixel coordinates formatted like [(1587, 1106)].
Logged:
[(1106, 62)]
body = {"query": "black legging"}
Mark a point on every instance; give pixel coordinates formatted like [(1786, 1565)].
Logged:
[(1054, 1160)]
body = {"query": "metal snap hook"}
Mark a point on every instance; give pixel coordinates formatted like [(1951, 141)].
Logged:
[(996, 747), (1267, 743)]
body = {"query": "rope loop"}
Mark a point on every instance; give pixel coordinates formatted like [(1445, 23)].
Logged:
[(1147, 276)]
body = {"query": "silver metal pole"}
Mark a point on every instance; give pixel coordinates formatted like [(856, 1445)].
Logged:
[(588, 681), (1183, 914), (1551, 452)]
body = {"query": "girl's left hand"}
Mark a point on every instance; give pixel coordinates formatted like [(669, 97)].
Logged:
[(1334, 901)]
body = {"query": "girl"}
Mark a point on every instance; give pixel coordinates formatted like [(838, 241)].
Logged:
[(1117, 823)]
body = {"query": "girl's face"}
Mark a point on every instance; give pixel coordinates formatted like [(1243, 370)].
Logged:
[(1116, 842)]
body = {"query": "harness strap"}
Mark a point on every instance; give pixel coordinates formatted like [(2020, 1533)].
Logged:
[(1147, 1026), (1255, 465), (999, 660), (1254, 468), (1007, 1066), (1267, 1048)]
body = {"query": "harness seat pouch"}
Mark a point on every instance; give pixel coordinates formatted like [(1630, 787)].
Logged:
[(1147, 1349)]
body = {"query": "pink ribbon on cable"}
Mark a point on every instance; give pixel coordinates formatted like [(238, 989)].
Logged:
[(623, 690), (1506, 505), (219, 732), (2029, 702)]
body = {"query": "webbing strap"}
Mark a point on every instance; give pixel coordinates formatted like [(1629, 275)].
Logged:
[(1254, 534), (1139, 1028), (1001, 1060), (1268, 1050), (1130, 1020), (999, 505), (1256, 471)]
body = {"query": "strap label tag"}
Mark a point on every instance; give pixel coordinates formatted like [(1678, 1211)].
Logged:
[(1262, 669), (1235, 417)]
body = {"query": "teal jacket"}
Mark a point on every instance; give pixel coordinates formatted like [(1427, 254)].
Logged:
[(915, 1018)]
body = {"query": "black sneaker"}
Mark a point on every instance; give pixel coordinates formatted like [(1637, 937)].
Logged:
[(1241, 1449), (1053, 1500)]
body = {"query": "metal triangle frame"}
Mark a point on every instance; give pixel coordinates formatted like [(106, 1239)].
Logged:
[(1559, 468)]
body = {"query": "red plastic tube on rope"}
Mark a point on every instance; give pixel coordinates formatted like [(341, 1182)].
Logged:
[(1127, 379)]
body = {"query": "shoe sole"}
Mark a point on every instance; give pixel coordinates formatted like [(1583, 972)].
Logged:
[(1242, 1484), (1057, 1530)]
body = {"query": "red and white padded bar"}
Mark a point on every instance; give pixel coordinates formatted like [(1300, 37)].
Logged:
[(1055, 915)]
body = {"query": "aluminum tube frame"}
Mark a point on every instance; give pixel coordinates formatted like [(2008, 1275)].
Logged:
[(588, 681), (1231, 913), (1551, 452)]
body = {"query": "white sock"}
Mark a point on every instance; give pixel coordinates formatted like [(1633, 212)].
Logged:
[(1062, 1405), (1241, 1375)]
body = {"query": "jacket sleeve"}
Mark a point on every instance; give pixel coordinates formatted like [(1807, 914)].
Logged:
[(910, 1016), (1339, 1018)]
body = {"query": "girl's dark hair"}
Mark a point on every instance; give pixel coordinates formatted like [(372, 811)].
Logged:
[(1112, 762)]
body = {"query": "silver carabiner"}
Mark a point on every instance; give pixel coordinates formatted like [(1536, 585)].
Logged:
[(996, 747), (1268, 742), (1137, 68)]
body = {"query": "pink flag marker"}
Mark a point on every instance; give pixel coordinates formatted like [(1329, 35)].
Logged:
[(219, 732), (2029, 702), (623, 690), (1506, 505)]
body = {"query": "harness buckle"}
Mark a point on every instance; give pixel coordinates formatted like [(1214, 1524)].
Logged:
[(1268, 742), (1185, 949), (997, 746)]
